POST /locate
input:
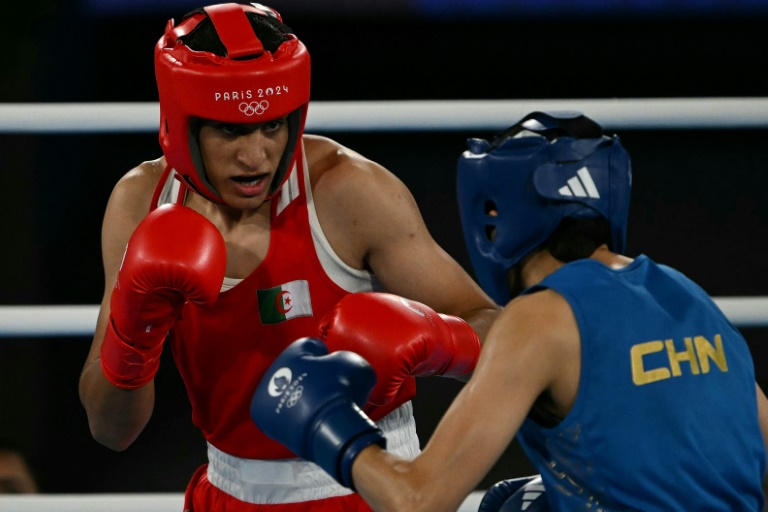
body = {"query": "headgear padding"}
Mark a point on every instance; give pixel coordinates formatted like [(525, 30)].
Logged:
[(249, 85), (514, 191)]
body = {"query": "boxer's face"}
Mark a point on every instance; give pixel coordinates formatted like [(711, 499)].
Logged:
[(241, 159)]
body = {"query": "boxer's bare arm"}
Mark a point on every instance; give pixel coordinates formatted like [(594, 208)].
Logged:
[(372, 221), (531, 348), (117, 416)]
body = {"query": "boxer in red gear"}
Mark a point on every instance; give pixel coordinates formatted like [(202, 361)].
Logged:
[(305, 221)]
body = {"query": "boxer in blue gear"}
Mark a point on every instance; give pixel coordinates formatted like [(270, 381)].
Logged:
[(625, 384)]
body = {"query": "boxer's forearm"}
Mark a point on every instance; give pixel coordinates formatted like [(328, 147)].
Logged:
[(389, 482), (381, 479), (116, 416)]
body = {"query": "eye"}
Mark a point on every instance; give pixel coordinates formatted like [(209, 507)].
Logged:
[(274, 125), (231, 129)]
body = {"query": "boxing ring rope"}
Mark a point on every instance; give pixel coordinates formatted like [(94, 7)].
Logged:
[(156, 502), (353, 116), (410, 115), (62, 321)]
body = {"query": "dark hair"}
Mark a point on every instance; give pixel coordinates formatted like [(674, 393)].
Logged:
[(270, 31), (575, 239)]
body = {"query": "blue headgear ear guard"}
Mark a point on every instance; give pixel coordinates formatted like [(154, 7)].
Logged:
[(514, 191)]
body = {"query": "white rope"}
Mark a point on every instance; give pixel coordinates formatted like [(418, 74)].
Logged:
[(127, 502), (410, 115), (92, 502), (21, 321), (60, 321), (745, 311)]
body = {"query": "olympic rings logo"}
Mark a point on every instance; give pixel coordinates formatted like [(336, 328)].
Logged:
[(295, 396), (254, 107)]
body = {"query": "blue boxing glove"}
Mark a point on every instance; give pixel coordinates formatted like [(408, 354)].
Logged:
[(309, 401), (526, 493)]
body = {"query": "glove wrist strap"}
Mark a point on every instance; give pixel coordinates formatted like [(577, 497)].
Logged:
[(124, 365), (356, 432), (466, 347)]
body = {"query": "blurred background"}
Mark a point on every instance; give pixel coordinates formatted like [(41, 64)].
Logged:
[(699, 198)]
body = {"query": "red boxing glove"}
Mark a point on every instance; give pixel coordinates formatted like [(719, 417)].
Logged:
[(174, 255), (400, 338)]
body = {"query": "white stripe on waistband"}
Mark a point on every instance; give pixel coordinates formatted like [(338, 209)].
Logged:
[(297, 480)]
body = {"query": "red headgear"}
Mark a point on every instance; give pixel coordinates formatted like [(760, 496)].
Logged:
[(248, 85)]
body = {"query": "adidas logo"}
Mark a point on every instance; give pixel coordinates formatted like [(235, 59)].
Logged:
[(532, 491), (580, 185)]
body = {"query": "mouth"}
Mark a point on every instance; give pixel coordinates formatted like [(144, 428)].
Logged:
[(249, 181), (251, 185)]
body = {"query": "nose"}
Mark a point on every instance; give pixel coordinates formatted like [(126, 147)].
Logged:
[(251, 151)]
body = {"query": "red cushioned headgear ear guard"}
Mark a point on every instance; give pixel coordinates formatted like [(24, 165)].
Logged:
[(248, 85)]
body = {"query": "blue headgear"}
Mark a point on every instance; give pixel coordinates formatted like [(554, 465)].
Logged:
[(514, 191)]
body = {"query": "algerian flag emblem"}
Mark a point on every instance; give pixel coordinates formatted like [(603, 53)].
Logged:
[(284, 302)]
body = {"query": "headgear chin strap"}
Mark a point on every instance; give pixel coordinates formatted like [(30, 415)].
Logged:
[(248, 85), (514, 191)]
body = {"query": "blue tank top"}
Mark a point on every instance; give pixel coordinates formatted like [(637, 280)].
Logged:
[(665, 418)]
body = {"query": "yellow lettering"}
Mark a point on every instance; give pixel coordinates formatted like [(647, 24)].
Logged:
[(676, 357), (706, 352), (698, 352), (640, 375)]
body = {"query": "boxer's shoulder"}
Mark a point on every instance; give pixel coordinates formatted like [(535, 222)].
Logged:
[(136, 187), (335, 168)]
